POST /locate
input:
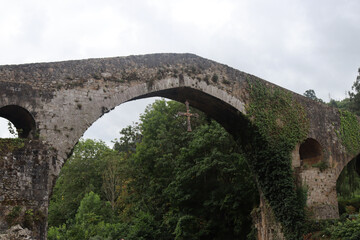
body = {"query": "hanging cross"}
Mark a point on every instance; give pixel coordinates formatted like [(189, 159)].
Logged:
[(188, 115)]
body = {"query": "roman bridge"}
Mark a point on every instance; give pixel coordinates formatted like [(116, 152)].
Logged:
[(53, 104)]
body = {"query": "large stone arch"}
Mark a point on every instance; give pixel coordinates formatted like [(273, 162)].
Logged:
[(84, 109), (214, 102), (221, 106)]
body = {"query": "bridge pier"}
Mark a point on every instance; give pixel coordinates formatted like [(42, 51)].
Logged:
[(321, 191), (265, 223), (24, 186), (315, 173)]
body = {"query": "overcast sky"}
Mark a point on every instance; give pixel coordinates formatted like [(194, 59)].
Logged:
[(297, 44)]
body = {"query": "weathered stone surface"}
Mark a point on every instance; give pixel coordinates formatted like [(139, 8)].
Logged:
[(266, 225), (24, 186), (54, 103), (17, 233)]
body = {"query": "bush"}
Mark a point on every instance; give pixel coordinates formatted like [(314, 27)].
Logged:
[(345, 230), (343, 203)]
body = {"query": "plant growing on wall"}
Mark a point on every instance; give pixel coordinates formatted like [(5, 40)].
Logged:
[(349, 132), (278, 123)]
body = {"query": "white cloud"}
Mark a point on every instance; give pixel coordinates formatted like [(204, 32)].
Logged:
[(4, 129)]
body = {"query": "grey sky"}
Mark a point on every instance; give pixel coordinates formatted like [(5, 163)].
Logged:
[(297, 44)]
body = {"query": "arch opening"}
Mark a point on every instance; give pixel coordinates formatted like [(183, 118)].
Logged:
[(310, 152), (348, 187), (21, 118), (223, 112), (210, 174), (7, 129)]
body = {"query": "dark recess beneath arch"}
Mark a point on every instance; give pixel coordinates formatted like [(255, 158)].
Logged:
[(20, 117), (310, 151)]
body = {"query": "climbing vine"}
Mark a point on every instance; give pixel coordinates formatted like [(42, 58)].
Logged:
[(11, 144), (349, 132), (279, 122), (279, 117)]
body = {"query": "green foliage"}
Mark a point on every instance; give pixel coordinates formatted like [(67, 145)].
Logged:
[(94, 220), (321, 166), (311, 94), (349, 229), (344, 104), (280, 119), (348, 183), (11, 144), (160, 175), (349, 132), (82, 173), (13, 217), (215, 78), (12, 130), (144, 227), (279, 123), (32, 218), (355, 97), (92, 210), (187, 227), (345, 202), (130, 136), (191, 174)]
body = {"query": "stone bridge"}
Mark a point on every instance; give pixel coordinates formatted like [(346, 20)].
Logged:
[(53, 104)]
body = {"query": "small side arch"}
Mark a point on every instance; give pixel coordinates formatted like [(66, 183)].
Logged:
[(22, 119), (310, 152)]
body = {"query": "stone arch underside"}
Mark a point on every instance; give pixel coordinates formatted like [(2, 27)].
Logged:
[(84, 109)]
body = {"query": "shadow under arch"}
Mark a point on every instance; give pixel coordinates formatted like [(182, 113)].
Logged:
[(348, 181), (310, 152), (348, 186), (22, 119), (225, 114)]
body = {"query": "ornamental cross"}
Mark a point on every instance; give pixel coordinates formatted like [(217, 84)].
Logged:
[(188, 115)]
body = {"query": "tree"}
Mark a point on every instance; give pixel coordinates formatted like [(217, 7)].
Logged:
[(93, 220), (311, 94), (341, 104), (82, 173), (92, 210), (130, 136), (112, 180), (198, 175), (355, 96)]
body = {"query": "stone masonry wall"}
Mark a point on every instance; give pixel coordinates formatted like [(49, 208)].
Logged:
[(24, 187)]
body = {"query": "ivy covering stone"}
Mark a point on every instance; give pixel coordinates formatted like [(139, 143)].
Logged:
[(278, 123), (349, 132)]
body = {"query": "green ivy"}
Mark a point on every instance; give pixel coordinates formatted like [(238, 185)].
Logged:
[(13, 217), (322, 166), (279, 117), (349, 132), (278, 123), (11, 144), (348, 229)]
